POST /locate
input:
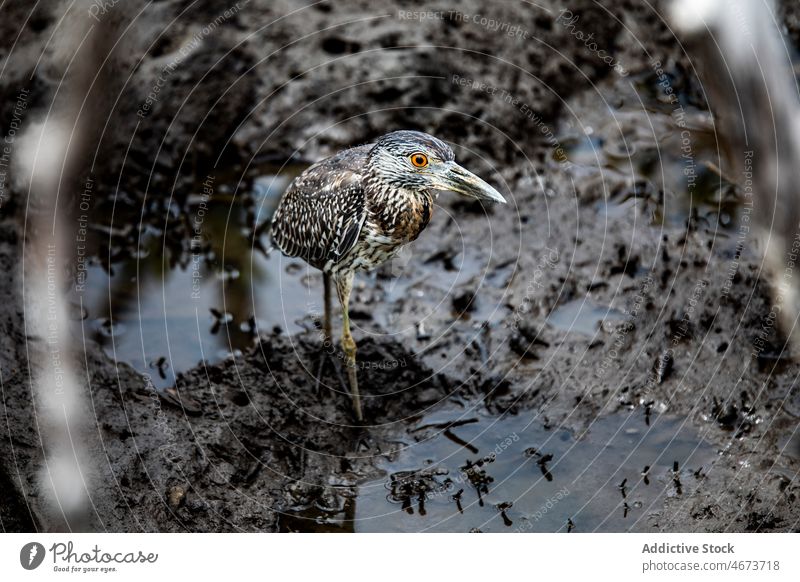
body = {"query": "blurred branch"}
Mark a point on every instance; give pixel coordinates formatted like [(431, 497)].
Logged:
[(746, 70)]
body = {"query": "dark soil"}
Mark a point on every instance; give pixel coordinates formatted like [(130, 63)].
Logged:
[(235, 445)]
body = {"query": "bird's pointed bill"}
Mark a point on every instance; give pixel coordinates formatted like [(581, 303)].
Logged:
[(457, 179)]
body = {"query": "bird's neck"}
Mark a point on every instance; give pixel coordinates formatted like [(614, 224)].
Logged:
[(400, 214)]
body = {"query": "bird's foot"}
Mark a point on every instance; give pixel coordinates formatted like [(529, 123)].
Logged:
[(364, 441)]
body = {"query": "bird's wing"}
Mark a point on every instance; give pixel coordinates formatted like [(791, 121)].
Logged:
[(321, 214)]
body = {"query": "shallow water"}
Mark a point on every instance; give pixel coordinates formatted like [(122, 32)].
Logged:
[(165, 318), (467, 471), (583, 316)]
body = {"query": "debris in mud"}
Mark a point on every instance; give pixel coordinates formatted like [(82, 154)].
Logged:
[(464, 303), (676, 479), (241, 429), (542, 461), (478, 477), (409, 488), (525, 338), (664, 366), (503, 509), (740, 419), (176, 497)]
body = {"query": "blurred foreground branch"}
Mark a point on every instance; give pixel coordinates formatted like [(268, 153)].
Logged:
[(746, 71)]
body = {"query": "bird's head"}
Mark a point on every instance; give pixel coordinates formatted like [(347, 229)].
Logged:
[(413, 160)]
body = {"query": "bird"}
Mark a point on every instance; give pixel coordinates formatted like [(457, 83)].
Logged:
[(358, 208)]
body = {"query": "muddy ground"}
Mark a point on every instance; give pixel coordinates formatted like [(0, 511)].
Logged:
[(246, 444)]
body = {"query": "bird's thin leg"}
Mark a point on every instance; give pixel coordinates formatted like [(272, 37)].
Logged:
[(327, 342), (327, 316), (344, 284)]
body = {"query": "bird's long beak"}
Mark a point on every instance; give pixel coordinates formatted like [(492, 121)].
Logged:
[(457, 179)]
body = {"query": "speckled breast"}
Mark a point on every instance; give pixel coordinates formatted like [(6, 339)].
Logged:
[(387, 229), (407, 224)]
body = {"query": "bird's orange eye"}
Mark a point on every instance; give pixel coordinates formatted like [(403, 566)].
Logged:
[(419, 160)]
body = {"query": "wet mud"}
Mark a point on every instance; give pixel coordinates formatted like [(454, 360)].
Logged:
[(595, 356)]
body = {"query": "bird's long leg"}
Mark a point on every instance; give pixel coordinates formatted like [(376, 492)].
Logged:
[(344, 284), (327, 316), (327, 341)]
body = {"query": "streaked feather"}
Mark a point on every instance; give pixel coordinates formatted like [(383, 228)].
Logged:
[(321, 214)]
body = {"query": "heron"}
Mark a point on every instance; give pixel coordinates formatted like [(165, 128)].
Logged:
[(358, 208)]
